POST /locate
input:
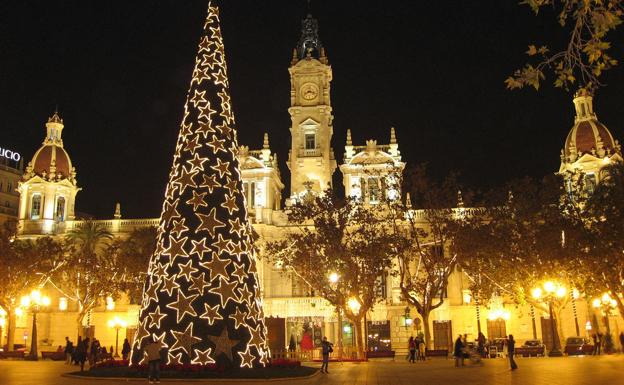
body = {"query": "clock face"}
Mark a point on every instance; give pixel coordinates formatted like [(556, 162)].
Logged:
[(309, 91)]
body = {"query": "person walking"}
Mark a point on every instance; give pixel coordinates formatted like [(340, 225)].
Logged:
[(327, 348), (622, 341), (81, 352), (412, 349), (511, 347), (152, 350), (481, 344), (458, 352), (421, 349), (125, 349), (598, 343), (69, 350), (595, 341)]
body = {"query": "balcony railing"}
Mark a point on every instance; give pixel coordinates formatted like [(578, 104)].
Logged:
[(303, 152)]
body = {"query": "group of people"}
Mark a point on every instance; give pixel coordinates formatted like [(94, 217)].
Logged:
[(90, 350), (416, 349), (461, 350)]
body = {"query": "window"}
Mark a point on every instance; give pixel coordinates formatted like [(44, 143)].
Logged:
[(310, 141), (35, 207), (379, 336), (381, 286), (1, 185), (373, 190), (60, 209), (590, 183), (10, 187)]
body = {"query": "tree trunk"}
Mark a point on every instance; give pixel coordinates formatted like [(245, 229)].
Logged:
[(560, 328), (425, 319), (11, 330), (79, 320), (358, 337)]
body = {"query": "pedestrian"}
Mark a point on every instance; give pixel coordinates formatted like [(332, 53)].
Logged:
[(511, 345), (421, 349), (458, 352), (152, 350), (598, 342), (94, 351), (481, 344), (125, 349), (595, 340), (327, 348), (69, 350), (81, 352), (622, 341), (412, 349)]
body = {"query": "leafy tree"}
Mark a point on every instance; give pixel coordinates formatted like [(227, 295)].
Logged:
[(522, 238), (341, 236), (22, 268), (421, 233), (586, 53)]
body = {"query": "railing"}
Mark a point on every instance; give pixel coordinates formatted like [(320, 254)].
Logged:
[(380, 147), (8, 211), (115, 226), (348, 352), (309, 152)]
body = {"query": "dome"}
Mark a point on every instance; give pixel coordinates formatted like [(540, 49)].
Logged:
[(588, 135), (49, 155)]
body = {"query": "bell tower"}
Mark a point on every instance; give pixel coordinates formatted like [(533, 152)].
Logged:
[(311, 159)]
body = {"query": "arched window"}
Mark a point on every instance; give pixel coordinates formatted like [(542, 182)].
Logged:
[(60, 209), (35, 206)]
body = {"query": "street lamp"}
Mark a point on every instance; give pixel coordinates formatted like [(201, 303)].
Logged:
[(549, 292), (117, 323), (35, 302), (607, 305)]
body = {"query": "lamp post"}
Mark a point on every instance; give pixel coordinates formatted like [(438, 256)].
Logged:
[(548, 293), (35, 302), (117, 323), (607, 305), (333, 282)]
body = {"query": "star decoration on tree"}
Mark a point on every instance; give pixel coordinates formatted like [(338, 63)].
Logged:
[(200, 296)]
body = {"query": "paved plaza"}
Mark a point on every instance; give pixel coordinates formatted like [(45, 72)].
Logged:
[(534, 371)]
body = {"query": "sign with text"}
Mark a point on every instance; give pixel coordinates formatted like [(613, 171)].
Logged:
[(10, 154)]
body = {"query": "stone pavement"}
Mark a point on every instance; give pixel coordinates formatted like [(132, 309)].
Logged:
[(532, 371)]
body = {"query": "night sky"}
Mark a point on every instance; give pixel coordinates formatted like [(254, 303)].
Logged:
[(119, 72)]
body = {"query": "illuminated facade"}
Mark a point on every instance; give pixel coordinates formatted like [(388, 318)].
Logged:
[(10, 175), (291, 309)]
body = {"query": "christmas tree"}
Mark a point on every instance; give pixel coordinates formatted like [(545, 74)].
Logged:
[(201, 298)]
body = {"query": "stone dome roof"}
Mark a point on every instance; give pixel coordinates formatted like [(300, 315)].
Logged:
[(52, 161), (588, 135)]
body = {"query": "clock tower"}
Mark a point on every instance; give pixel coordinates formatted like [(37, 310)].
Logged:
[(311, 159)]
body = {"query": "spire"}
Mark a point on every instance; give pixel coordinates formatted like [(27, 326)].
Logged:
[(54, 129), (408, 201), (392, 136), (201, 297), (309, 43), (265, 145), (349, 142), (117, 214), (584, 105), (460, 199)]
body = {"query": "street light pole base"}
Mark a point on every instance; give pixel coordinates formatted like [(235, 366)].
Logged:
[(555, 353)]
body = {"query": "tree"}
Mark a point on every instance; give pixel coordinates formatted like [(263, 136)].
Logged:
[(422, 233), (339, 237), (88, 270), (603, 214), (21, 268), (520, 239), (585, 56)]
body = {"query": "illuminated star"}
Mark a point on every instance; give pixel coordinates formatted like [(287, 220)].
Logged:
[(141, 333), (236, 226), (160, 339), (204, 44), (192, 144), (155, 318), (231, 186), (223, 344), (217, 145), (211, 314), (256, 336), (174, 359), (199, 283), (206, 112), (247, 296), (170, 212), (199, 247), (185, 179), (197, 200), (170, 284), (197, 163), (230, 204), (225, 98), (239, 272), (185, 340), (150, 294), (236, 249), (221, 244), (220, 78), (216, 33), (212, 60), (186, 270), (159, 270), (246, 358), (186, 130), (209, 222), (209, 182), (221, 168), (183, 305), (201, 74), (226, 291), (198, 98), (179, 228), (176, 248), (202, 357), (205, 129), (225, 130), (216, 266), (239, 318)]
